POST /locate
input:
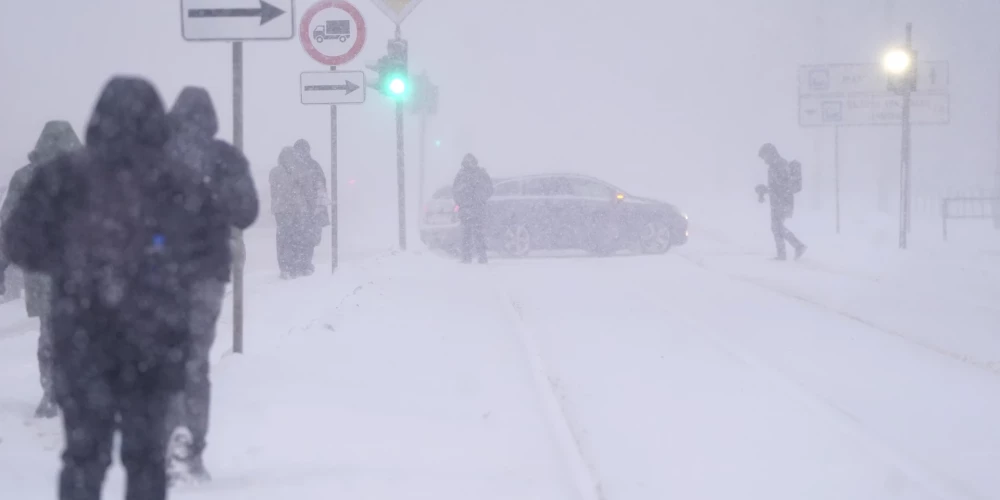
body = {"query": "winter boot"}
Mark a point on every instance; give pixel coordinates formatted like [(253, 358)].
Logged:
[(800, 251), (196, 470), (47, 408), (178, 452)]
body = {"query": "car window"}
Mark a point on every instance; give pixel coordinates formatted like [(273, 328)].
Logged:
[(546, 186), (591, 189), (509, 188)]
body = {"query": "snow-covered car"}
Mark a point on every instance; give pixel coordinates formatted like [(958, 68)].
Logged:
[(560, 212)]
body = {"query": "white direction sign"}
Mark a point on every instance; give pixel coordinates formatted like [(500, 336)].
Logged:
[(932, 76), (237, 20), (871, 109), (397, 10), (332, 87), (858, 94), (333, 32)]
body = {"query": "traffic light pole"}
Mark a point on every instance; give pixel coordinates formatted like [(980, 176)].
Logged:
[(400, 175), (400, 167), (905, 167)]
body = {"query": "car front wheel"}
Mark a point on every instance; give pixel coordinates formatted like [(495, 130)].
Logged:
[(654, 238), (516, 240)]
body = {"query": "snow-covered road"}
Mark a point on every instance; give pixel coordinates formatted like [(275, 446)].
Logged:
[(700, 374)]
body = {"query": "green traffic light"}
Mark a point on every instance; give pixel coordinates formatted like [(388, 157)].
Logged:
[(397, 86)]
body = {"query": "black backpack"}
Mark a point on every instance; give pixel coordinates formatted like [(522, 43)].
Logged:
[(795, 177)]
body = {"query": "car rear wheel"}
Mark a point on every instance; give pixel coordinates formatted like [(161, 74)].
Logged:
[(516, 240), (654, 238)]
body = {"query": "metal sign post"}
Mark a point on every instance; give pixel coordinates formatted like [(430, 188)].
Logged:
[(845, 95), (209, 20), (333, 32)]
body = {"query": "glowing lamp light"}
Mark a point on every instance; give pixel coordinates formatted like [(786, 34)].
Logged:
[(896, 61)]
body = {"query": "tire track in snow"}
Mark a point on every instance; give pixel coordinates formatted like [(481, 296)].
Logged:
[(585, 477), (940, 485), (991, 367)]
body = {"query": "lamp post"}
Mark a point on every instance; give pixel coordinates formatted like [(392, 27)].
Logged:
[(900, 66)]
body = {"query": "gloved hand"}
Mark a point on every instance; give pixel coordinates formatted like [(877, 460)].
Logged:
[(761, 191)]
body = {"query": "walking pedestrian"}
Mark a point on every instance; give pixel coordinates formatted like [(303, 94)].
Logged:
[(784, 180)]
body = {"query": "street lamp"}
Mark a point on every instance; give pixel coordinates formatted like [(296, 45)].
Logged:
[(900, 66), (897, 61)]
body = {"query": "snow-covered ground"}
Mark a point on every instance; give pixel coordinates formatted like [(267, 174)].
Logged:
[(859, 372)]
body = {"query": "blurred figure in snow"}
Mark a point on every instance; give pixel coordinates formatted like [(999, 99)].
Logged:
[(115, 226), (225, 174), (294, 201), (784, 180), (472, 188), (313, 182), (57, 138)]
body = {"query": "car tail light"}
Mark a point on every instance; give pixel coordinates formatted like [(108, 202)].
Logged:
[(456, 209)]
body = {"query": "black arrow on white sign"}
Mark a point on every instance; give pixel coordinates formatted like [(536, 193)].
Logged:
[(347, 87), (266, 12)]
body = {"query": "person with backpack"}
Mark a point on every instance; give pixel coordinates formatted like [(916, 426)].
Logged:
[(57, 138), (784, 181), (118, 226)]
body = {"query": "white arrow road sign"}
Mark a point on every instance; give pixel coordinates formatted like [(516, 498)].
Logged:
[(871, 109), (818, 79), (332, 87), (237, 20)]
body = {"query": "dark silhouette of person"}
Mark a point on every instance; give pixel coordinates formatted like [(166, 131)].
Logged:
[(471, 190), (781, 191)]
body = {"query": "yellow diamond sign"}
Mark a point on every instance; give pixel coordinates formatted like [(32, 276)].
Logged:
[(397, 10)]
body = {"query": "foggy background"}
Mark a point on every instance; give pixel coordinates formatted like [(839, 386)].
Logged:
[(669, 100)]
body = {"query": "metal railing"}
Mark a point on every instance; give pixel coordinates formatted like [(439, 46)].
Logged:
[(968, 207)]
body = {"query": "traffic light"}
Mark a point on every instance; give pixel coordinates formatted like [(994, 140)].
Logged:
[(900, 66), (392, 79)]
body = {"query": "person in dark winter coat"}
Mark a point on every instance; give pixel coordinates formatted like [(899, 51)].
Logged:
[(57, 138), (472, 188), (782, 196), (116, 226), (225, 173), (313, 180), (300, 208)]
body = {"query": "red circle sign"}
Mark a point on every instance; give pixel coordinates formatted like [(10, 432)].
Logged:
[(333, 32)]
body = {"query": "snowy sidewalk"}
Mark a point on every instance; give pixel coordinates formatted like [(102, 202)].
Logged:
[(29, 448), (412, 388)]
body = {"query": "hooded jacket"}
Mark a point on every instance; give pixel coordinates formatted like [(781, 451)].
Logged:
[(472, 188), (223, 170), (115, 225), (57, 138), (310, 174), (288, 198)]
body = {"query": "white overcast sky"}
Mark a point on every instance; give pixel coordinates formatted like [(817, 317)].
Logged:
[(656, 96)]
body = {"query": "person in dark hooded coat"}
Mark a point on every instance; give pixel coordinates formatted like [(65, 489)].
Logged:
[(290, 210), (225, 173), (472, 188), (115, 226), (782, 196), (57, 137), (313, 185)]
